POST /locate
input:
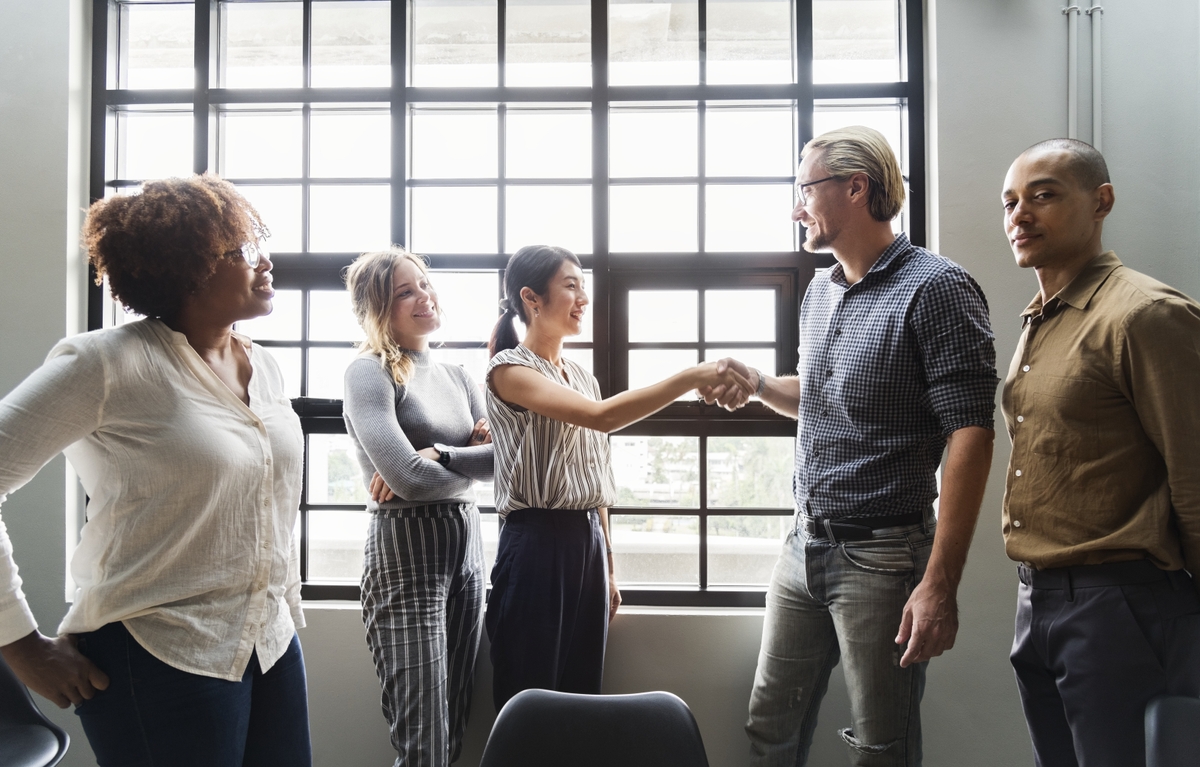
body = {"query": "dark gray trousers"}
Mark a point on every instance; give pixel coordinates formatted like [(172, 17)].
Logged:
[(422, 604), (1093, 645)]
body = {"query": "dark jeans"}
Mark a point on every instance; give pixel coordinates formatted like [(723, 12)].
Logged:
[(153, 714), (1088, 658), (547, 615)]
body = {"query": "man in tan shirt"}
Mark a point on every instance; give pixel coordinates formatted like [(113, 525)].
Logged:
[(1102, 496)]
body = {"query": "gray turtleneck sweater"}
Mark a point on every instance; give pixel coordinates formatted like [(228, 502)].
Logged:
[(390, 423)]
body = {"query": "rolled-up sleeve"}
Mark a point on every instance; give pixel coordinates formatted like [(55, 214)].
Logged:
[(958, 351)]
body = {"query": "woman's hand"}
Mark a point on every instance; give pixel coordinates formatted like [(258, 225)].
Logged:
[(380, 492), (728, 379), (614, 594), (54, 668), (481, 434)]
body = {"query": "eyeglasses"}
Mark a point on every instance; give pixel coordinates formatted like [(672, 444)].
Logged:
[(802, 189), (252, 252)]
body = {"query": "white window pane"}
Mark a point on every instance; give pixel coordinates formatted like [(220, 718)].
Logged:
[(330, 317), (750, 472), (742, 551), (282, 324), (656, 471), (279, 208), (262, 45), (454, 220), (856, 41), (262, 145), (288, 359), (652, 143), (749, 42), (548, 144), (548, 42), (653, 219), (649, 366), (336, 538), (153, 145), (749, 218), (653, 43), (885, 118), (351, 44), (762, 359), (454, 144), (729, 150), (327, 371), (454, 44), (474, 361), (652, 550), (549, 215), (334, 474), (349, 218), (160, 46), (350, 145), (470, 305), (754, 310), (664, 315), (583, 357)]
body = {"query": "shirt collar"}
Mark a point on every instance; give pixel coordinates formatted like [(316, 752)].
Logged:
[(891, 256), (1078, 293)]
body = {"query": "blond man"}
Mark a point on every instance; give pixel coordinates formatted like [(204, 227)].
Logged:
[(897, 364)]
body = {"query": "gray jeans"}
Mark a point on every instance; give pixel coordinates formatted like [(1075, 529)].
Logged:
[(831, 601)]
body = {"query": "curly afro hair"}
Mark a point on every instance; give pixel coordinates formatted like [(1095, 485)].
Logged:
[(160, 246)]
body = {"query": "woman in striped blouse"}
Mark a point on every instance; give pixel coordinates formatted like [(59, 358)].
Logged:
[(553, 591), (422, 442)]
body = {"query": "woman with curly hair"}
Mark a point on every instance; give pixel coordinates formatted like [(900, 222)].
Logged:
[(422, 441), (180, 645)]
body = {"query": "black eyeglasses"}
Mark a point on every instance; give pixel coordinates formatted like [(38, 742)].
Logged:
[(802, 189)]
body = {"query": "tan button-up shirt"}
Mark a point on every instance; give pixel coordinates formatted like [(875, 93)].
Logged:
[(1102, 404)]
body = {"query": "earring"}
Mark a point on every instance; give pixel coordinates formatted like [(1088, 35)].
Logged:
[(536, 312)]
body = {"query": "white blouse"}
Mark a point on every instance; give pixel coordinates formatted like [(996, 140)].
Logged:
[(193, 496), (542, 463)]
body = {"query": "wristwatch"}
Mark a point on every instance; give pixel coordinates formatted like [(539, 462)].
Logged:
[(443, 453), (762, 383)]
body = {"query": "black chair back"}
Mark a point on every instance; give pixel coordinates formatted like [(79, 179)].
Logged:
[(27, 737), (540, 728)]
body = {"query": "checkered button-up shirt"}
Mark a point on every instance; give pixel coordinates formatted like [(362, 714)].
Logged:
[(889, 367)]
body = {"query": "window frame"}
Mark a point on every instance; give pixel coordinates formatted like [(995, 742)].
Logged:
[(613, 273)]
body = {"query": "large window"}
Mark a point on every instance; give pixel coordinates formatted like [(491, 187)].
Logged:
[(658, 140)]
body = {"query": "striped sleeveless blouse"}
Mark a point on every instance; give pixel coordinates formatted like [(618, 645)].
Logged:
[(542, 463)]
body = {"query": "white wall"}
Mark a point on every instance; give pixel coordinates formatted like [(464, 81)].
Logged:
[(999, 86)]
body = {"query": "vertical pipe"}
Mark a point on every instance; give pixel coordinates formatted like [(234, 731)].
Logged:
[(1097, 14), (1072, 13)]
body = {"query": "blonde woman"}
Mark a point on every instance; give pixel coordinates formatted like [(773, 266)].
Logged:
[(422, 440)]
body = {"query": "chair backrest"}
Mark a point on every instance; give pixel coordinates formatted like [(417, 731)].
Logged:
[(1173, 731), (27, 737), (542, 727)]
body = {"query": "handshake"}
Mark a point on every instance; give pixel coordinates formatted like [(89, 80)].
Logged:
[(727, 383)]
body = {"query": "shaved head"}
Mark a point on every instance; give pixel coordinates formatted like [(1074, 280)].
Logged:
[(1085, 164)]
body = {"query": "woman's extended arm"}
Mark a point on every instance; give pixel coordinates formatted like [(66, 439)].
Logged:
[(370, 405), (528, 388)]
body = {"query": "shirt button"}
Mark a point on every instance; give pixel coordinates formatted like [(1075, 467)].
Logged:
[(829, 372), (1020, 419), (1016, 523), (1025, 368), (1018, 472), (816, 454), (837, 332)]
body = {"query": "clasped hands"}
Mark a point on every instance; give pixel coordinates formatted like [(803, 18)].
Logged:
[(733, 384)]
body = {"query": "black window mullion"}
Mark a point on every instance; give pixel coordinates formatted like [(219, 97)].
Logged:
[(703, 521), (602, 355), (399, 120), (206, 11), (501, 175), (914, 57), (804, 72)]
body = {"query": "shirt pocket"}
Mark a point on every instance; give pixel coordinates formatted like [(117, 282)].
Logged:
[(1063, 420)]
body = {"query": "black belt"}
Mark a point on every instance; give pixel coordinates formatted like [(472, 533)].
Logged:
[(1091, 576), (854, 529)]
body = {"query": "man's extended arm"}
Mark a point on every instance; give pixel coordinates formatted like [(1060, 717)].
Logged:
[(930, 620)]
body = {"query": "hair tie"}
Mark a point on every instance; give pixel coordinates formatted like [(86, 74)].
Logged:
[(507, 306)]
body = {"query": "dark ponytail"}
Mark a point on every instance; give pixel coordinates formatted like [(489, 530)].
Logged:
[(533, 266)]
